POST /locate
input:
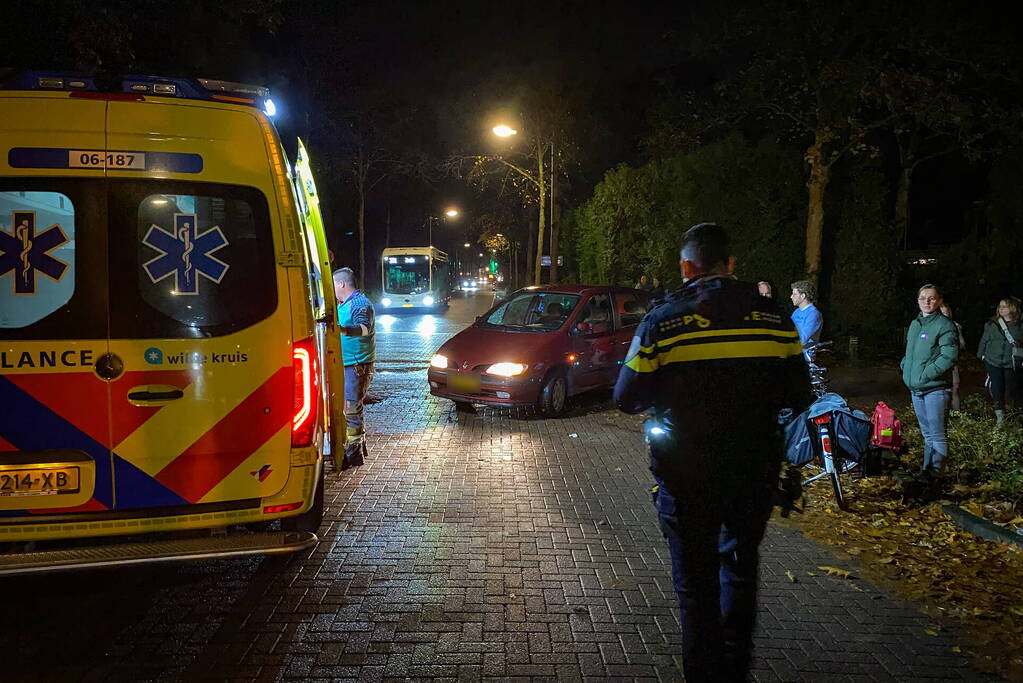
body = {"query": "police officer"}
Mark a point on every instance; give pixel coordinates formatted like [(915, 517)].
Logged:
[(716, 363)]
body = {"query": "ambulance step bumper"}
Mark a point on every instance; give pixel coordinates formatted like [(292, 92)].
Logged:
[(148, 552)]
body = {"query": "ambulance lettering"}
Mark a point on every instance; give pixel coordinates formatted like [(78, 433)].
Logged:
[(185, 253), (24, 253), (155, 356), (70, 358)]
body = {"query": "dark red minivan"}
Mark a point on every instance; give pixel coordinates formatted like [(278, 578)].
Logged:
[(539, 346)]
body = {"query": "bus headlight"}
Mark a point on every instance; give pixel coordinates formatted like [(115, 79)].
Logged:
[(507, 369), (428, 300), (385, 301), (439, 361)]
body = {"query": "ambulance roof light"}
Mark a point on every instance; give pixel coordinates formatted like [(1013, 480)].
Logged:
[(230, 87), (185, 88)]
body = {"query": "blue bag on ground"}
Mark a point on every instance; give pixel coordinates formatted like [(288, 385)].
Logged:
[(851, 430)]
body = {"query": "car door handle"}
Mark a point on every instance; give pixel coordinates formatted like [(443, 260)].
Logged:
[(145, 394)]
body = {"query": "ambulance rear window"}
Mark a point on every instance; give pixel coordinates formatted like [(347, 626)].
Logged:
[(194, 259), (52, 275)]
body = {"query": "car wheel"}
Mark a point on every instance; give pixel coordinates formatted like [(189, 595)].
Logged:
[(554, 394), (311, 519)]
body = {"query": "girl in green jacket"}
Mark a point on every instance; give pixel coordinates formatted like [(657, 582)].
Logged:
[(932, 347), (997, 353)]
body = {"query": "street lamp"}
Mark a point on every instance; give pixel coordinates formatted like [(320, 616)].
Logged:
[(451, 212), (504, 131)]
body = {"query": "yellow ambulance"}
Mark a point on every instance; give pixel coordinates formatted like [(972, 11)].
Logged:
[(168, 348)]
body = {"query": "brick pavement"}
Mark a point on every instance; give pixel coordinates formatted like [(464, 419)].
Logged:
[(488, 545)]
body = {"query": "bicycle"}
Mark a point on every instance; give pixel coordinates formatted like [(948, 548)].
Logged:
[(821, 429)]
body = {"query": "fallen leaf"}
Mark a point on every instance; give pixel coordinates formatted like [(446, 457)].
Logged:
[(792, 577), (835, 571)]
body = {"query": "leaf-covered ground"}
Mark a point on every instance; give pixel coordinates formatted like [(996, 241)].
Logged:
[(920, 554)]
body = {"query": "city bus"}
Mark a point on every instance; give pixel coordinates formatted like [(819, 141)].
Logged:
[(414, 277)]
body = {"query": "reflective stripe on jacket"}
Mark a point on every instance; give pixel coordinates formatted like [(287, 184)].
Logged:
[(718, 361)]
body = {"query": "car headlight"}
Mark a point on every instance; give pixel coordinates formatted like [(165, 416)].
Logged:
[(385, 301), (428, 300), (439, 361), (507, 369)]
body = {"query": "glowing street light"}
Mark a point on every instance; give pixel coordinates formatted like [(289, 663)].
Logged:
[(451, 213), (466, 245), (507, 131)]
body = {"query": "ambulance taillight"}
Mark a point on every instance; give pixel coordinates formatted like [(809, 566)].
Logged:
[(303, 424)]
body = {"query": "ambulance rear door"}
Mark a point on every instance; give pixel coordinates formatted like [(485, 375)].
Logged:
[(54, 364), (198, 316)]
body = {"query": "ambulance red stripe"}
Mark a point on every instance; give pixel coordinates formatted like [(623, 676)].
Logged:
[(238, 435), (78, 397)]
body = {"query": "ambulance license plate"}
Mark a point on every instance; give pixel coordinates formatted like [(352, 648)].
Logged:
[(39, 481), (464, 383)]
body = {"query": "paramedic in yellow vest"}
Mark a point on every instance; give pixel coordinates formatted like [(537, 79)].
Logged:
[(355, 319)]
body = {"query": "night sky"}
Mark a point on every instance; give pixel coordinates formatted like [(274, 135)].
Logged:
[(428, 77)]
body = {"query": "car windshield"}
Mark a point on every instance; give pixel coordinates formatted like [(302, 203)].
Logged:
[(533, 311)]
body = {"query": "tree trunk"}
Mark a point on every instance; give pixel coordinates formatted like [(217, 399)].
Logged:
[(542, 223), (554, 224), (554, 245), (362, 237), (529, 256), (817, 184), (902, 205)]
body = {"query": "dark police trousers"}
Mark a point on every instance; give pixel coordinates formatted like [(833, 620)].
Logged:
[(713, 512)]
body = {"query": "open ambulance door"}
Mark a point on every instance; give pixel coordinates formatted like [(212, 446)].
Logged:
[(326, 316)]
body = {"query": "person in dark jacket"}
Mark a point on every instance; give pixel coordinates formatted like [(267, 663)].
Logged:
[(946, 311), (932, 347), (658, 289), (996, 351), (716, 363)]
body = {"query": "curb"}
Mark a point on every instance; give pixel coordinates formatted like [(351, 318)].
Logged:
[(978, 526)]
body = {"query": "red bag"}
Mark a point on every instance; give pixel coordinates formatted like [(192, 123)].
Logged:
[(887, 430)]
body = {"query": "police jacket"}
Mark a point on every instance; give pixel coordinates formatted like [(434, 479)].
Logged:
[(717, 362)]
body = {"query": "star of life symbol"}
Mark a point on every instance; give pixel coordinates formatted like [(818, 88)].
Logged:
[(24, 253), (185, 253)]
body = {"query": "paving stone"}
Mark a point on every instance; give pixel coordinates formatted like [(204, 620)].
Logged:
[(472, 545)]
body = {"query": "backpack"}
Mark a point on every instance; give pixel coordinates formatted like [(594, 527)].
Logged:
[(887, 432)]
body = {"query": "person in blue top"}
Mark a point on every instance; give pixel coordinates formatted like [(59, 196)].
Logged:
[(355, 319), (807, 318)]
